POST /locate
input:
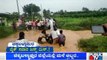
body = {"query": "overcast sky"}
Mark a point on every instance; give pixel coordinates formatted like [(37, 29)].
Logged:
[(53, 5)]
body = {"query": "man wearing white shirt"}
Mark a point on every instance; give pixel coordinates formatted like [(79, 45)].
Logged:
[(51, 23), (54, 34), (22, 41)]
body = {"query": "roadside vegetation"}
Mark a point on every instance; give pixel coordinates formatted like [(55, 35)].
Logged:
[(5, 31), (80, 23), (95, 44)]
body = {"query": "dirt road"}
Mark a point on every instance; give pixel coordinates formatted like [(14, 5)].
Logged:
[(72, 37)]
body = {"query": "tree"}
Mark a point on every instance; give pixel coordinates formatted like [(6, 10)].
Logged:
[(84, 9), (31, 9), (103, 9), (46, 13), (15, 15), (61, 12)]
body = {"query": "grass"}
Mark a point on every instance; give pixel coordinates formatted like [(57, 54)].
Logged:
[(5, 31), (95, 44), (79, 23)]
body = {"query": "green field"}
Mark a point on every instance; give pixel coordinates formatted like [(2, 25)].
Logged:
[(95, 44), (79, 23)]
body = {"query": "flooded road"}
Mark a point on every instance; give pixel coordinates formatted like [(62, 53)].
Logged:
[(72, 37)]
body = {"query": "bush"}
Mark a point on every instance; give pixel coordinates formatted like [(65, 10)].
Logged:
[(5, 31), (80, 23), (95, 44), (87, 23)]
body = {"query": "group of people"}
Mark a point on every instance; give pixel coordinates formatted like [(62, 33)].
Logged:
[(40, 24), (34, 24), (55, 35)]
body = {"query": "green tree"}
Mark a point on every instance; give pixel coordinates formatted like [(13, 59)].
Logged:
[(15, 15), (84, 9), (46, 13), (103, 9), (31, 9)]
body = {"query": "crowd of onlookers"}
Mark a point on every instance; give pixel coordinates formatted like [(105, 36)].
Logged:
[(34, 24), (55, 35)]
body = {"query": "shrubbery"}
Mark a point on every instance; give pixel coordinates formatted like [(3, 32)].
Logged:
[(95, 44), (5, 31), (80, 23)]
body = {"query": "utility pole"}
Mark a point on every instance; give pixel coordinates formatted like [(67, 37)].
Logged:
[(18, 7), (32, 12), (41, 11)]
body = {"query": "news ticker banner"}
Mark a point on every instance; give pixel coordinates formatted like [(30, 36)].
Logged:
[(46, 53), (29, 49), (55, 56), (46, 56), (38, 53)]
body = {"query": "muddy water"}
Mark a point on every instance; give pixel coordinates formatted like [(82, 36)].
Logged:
[(72, 37)]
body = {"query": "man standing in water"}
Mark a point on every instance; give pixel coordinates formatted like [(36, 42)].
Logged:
[(61, 38), (54, 35)]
